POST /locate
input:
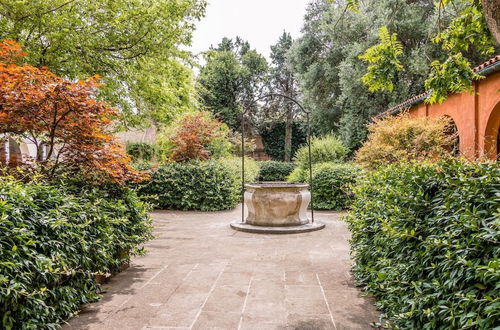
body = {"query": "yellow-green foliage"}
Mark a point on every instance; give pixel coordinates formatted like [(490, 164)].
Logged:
[(324, 149), (404, 138), (252, 168)]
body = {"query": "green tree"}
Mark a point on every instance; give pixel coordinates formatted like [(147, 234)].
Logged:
[(283, 82), (133, 44), (452, 73), (326, 59), (233, 76)]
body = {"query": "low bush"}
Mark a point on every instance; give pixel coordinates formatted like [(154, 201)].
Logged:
[(209, 185), (275, 171), (53, 241), (402, 138), (425, 240), (324, 149), (140, 151), (331, 184)]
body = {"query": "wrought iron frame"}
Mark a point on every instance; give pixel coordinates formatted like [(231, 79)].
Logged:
[(308, 115)]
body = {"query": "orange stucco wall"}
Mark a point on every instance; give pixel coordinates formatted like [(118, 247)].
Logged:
[(476, 115)]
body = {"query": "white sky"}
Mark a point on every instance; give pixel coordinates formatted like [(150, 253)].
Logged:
[(261, 22)]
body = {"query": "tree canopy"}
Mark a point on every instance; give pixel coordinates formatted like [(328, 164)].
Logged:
[(135, 45), (475, 27), (234, 74), (392, 37), (62, 119)]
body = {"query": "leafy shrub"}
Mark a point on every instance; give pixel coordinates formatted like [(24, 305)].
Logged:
[(53, 240), (324, 149), (71, 130), (197, 137), (402, 138), (210, 185), (425, 240), (331, 184), (140, 151), (273, 137), (275, 171)]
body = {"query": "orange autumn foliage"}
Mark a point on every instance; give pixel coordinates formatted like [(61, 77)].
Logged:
[(193, 136), (61, 118)]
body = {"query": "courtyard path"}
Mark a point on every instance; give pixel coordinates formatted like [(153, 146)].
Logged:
[(201, 274)]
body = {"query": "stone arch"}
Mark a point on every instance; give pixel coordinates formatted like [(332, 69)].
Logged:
[(492, 134)]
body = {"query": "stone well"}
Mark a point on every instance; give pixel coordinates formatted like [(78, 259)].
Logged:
[(277, 208)]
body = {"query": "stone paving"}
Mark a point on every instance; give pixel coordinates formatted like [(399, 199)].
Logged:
[(201, 274)]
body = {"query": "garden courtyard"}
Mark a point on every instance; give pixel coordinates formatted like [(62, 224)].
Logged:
[(362, 139), (201, 274)]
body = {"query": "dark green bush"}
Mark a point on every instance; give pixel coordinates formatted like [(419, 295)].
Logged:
[(210, 185), (273, 137), (331, 184), (426, 243), (52, 243), (141, 151), (275, 171)]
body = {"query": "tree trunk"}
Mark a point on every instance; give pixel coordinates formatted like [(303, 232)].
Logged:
[(288, 133), (492, 14)]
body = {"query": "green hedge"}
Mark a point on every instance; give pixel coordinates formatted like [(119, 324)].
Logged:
[(52, 243), (210, 185), (331, 184), (275, 171), (426, 243)]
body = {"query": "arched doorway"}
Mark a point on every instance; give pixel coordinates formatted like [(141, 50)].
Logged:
[(498, 144), (492, 134)]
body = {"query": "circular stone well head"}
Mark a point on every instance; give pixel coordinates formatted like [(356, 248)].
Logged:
[(273, 204)]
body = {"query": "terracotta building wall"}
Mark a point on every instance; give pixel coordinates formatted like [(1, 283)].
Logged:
[(476, 115)]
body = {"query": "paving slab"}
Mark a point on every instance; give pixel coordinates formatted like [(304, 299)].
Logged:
[(201, 274)]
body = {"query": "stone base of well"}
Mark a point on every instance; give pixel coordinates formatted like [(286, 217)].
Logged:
[(241, 226), (277, 208)]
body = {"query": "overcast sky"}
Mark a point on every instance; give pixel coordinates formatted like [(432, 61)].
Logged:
[(261, 22)]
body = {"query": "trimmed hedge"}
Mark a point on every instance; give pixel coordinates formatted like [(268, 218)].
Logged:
[(53, 241), (210, 185), (331, 184), (426, 243), (275, 171)]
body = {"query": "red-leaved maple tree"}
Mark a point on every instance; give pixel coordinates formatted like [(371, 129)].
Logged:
[(194, 134), (64, 121)]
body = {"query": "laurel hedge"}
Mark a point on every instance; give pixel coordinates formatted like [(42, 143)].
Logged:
[(53, 242), (210, 185), (426, 243), (275, 171), (332, 184)]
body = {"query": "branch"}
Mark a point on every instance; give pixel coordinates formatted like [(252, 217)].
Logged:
[(46, 12)]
